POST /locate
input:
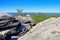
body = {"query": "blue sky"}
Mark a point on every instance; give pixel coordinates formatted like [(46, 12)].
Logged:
[(51, 6)]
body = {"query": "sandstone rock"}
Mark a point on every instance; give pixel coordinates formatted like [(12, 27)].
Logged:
[(28, 27), (2, 14), (3, 32), (46, 30), (30, 19), (26, 21)]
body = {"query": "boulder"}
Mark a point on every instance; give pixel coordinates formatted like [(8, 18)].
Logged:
[(7, 22), (26, 21), (31, 20)]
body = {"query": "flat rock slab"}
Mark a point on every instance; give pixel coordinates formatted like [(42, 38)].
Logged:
[(46, 30)]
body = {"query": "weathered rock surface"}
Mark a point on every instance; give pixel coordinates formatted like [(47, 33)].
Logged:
[(27, 21), (30, 19), (46, 30)]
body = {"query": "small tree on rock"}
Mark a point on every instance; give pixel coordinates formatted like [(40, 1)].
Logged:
[(19, 11)]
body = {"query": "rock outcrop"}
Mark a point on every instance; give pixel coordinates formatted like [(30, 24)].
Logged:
[(46, 30), (27, 21)]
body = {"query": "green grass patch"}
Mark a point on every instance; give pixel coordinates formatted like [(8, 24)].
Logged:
[(41, 17)]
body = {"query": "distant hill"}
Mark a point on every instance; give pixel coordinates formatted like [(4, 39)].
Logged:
[(51, 14)]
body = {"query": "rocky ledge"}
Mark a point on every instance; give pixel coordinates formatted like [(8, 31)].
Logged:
[(46, 30)]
